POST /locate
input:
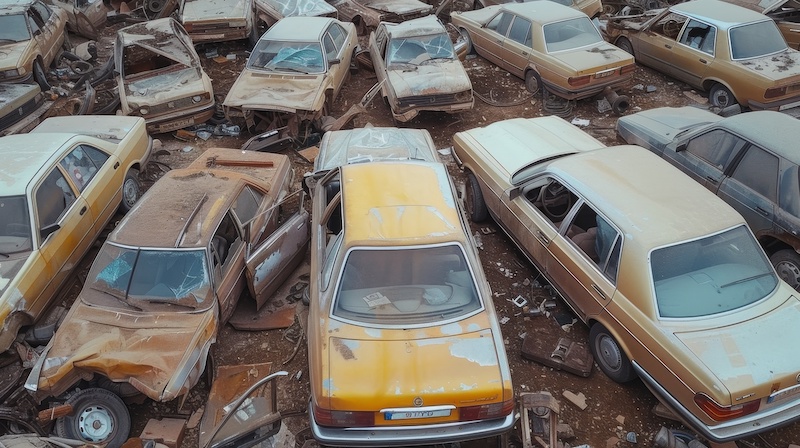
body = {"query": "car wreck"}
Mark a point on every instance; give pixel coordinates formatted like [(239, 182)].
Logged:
[(418, 67), (84, 17), (155, 297), (368, 14), (160, 77), (270, 11), (215, 21)]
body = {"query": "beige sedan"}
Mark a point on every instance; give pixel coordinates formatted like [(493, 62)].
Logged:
[(671, 282)]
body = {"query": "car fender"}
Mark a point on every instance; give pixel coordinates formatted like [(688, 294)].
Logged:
[(709, 82)]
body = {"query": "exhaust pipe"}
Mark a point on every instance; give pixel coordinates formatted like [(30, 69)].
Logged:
[(619, 103)]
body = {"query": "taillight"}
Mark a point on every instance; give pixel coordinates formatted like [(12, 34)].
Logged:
[(723, 413), (486, 411), (775, 92), (327, 417), (580, 80), (627, 69)]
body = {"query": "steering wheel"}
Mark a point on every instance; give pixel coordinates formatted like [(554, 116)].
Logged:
[(672, 28), (553, 197)]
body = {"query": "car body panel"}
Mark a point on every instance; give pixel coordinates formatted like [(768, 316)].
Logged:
[(429, 77), (84, 17), (160, 76), (18, 52), (372, 12), (38, 265), (215, 21), (270, 11)]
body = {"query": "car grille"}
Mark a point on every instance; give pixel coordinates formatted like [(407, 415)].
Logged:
[(21, 112), (426, 100), (183, 103)]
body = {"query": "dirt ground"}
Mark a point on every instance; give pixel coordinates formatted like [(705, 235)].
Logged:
[(613, 411)]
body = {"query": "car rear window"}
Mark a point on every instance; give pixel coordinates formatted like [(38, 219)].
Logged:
[(406, 285), (711, 275), (569, 34), (756, 39)]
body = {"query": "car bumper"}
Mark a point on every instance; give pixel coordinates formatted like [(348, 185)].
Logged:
[(781, 105), (180, 120), (736, 429), (588, 91), (410, 435), (407, 114)]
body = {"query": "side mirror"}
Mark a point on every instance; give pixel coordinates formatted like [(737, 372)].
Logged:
[(334, 61), (47, 230)]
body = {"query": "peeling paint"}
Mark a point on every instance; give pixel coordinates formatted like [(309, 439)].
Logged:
[(473, 327), (451, 329), (373, 332), (477, 350), (343, 348), (265, 269), (327, 385), (468, 386)]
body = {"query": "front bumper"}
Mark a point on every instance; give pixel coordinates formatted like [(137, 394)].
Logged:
[(180, 119)]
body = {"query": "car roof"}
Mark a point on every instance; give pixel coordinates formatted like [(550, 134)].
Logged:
[(24, 155), (298, 28), (543, 11), (413, 205), (771, 130), (416, 27), (652, 202), (721, 14)]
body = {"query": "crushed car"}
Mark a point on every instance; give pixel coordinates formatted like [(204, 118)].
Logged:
[(84, 17), (736, 55), (293, 74), (270, 11), (749, 160), (368, 14), (396, 284), (215, 21), (156, 296), (671, 282), (552, 47), (62, 183), (418, 67), (31, 36), (160, 78)]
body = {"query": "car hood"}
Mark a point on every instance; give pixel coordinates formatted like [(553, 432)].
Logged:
[(434, 78), (594, 58), (9, 268), (736, 353), (160, 354), (397, 6), (658, 127), (276, 92), (783, 66), (370, 375), (214, 10), (10, 54)]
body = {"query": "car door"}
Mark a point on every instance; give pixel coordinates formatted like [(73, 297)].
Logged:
[(96, 176), (488, 41), (378, 44), (227, 249), (657, 42), (48, 40), (706, 156), (694, 53), (338, 53), (517, 46), (752, 188)]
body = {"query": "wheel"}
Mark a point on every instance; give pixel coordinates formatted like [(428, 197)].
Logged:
[(131, 190), (556, 200), (625, 45), (473, 202), (465, 36), (39, 76), (98, 416), (787, 263), (609, 356), (533, 82), (720, 96)]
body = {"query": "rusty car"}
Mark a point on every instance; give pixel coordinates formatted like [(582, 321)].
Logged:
[(671, 282), (592, 8), (159, 76), (397, 286), (62, 183), (156, 296), (735, 54), (31, 34), (293, 74), (749, 160), (367, 14), (418, 67), (84, 17), (270, 11), (551, 46), (785, 13), (215, 21)]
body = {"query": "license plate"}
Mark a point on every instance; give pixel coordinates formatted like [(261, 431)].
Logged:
[(405, 415), (604, 74), (781, 394), (175, 125)]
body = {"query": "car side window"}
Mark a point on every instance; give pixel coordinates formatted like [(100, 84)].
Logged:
[(670, 25), (42, 10), (380, 41), (82, 163), (330, 47), (596, 238), (716, 147), (789, 188), (53, 197), (500, 23), (226, 241), (758, 169), (337, 34), (34, 22), (521, 31), (551, 198), (700, 36), (247, 204), (332, 222)]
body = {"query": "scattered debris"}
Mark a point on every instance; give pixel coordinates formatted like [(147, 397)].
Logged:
[(580, 122), (539, 419), (631, 437), (621, 419), (695, 97), (505, 319), (578, 399), (563, 354)]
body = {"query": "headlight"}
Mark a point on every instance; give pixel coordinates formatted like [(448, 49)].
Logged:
[(144, 110), (12, 73), (197, 99)]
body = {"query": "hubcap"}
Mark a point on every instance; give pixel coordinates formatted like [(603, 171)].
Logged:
[(609, 352), (789, 272), (130, 192), (95, 424)]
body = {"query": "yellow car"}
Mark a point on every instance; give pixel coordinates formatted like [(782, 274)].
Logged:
[(60, 185), (404, 343)]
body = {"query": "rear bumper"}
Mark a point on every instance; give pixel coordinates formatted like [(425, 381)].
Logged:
[(589, 91)]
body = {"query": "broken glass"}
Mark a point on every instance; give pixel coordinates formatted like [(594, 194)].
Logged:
[(303, 57), (419, 49)]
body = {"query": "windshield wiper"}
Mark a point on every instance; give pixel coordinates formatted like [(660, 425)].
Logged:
[(291, 69), (747, 279), (119, 299)]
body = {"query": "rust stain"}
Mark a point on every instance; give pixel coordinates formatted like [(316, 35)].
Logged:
[(343, 350)]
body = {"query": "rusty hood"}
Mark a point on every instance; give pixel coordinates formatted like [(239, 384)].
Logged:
[(594, 58), (433, 77), (401, 7), (783, 67), (276, 92), (160, 354), (11, 53)]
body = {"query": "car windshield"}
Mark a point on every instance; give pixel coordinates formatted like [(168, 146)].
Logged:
[(13, 28), (15, 228), (711, 275), (569, 34), (139, 278), (301, 57), (419, 49), (756, 39), (406, 285)]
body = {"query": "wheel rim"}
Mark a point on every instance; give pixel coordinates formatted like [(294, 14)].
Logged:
[(130, 192), (95, 424), (720, 98), (609, 353), (789, 272)]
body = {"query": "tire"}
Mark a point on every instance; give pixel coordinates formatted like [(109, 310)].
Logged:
[(473, 202), (533, 82), (787, 264), (39, 75), (465, 35), (720, 96), (99, 417), (131, 191), (609, 355), (625, 45)]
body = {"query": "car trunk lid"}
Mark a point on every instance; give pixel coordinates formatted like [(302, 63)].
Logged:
[(783, 68), (595, 58)]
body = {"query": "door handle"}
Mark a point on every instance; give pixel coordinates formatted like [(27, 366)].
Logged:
[(668, 46), (116, 165), (83, 210), (498, 41), (712, 180), (703, 61), (599, 291), (524, 53), (542, 237)]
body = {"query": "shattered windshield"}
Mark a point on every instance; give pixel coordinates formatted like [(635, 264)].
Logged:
[(756, 39), (15, 227), (419, 49), (711, 275), (569, 34), (138, 278), (406, 285), (302, 57), (13, 28)]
